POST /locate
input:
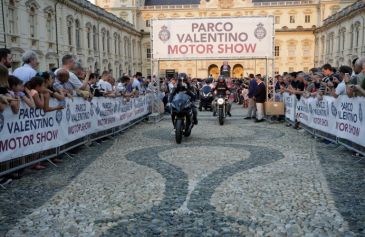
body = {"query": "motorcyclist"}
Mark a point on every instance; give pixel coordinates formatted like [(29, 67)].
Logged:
[(183, 85), (221, 89)]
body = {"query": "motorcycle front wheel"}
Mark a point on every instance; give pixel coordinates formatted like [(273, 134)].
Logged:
[(179, 131), (221, 117)]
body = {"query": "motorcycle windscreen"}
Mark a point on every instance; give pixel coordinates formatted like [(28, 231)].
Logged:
[(206, 89)]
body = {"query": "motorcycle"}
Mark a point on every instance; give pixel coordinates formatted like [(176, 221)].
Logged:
[(181, 107), (206, 98), (221, 108)]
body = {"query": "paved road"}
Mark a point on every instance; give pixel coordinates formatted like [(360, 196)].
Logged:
[(240, 179)]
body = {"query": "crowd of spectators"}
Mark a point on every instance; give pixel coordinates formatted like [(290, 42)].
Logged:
[(36, 88)]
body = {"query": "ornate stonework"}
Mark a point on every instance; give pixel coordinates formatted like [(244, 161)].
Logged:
[(226, 3)]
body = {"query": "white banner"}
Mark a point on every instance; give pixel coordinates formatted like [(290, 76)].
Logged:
[(290, 102), (213, 38), (349, 124), (33, 130), (342, 117)]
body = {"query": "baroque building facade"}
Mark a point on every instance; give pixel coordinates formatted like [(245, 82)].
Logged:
[(53, 28), (295, 22), (341, 38)]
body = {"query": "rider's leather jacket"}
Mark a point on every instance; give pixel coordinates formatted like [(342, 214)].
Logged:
[(221, 88), (182, 88)]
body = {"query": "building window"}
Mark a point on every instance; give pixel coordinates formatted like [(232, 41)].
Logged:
[(115, 44), (88, 37), (103, 40), (49, 24), (291, 69), (32, 22), (12, 17), (69, 31), (292, 19), (306, 50), (95, 39), (149, 53), (77, 34), (343, 39), (119, 45), (108, 41), (307, 19), (306, 69), (357, 35), (291, 50), (148, 23), (277, 51), (277, 19)]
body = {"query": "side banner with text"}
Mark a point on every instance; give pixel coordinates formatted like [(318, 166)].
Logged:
[(33, 130), (342, 117)]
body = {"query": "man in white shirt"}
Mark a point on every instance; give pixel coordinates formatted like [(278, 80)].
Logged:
[(69, 64), (136, 84), (29, 68), (103, 84), (345, 73)]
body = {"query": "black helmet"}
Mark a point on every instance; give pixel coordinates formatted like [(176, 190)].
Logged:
[(209, 80), (182, 76)]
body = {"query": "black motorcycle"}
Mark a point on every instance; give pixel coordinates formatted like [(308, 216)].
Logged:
[(181, 108), (221, 108), (206, 98)]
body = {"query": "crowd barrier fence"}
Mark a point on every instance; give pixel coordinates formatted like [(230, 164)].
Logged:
[(339, 120), (32, 136)]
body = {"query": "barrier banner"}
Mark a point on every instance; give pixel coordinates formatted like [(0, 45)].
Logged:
[(213, 38), (290, 106), (302, 111), (321, 116), (32, 130), (349, 122)]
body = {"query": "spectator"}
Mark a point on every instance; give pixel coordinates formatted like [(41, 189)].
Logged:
[(361, 88), (16, 91), (92, 84), (297, 85), (4, 87), (6, 58), (29, 68), (245, 96), (260, 98), (62, 83), (251, 102), (104, 85), (344, 74), (37, 87), (51, 92), (136, 84), (68, 64)]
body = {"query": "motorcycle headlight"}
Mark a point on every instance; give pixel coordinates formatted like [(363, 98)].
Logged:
[(220, 101)]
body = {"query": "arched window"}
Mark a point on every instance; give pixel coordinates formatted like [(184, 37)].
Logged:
[(32, 22), (88, 35), (103, 39), (69, 29), (115, 43), (108, 41), (119, 45), (49, 26), (77, 34), (95, 38), (12, 17), (357, 34)]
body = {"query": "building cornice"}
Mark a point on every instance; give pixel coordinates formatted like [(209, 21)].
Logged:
[(347, 12), (101, 14)]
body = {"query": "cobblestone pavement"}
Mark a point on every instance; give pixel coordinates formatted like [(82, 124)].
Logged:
[(240, 179)]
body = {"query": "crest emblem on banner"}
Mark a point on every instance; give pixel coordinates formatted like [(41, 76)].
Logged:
[(68, 113), (164, 34), (360, 114), (2, 121), (59, 116), (333, 109), (260, 31)]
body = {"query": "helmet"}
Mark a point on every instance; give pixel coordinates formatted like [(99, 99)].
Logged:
[(182, 76), (209, 80), (221, 79)]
